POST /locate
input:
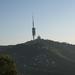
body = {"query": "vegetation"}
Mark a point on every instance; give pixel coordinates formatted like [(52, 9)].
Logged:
[(41, 57), (7, 66)]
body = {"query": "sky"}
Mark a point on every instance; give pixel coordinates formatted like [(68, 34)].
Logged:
[(53, 19)]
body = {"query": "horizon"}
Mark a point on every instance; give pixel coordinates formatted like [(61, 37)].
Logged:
[(53, 20), (36, 39)]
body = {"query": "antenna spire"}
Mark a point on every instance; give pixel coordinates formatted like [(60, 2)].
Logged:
[(33, 21)]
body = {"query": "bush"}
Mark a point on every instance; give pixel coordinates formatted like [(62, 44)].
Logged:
[(7, 66)]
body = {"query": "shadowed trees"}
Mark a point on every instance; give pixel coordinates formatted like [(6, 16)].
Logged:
[(7, 66)]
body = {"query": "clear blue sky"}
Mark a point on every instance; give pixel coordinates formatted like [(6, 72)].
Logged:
[(54, 20)]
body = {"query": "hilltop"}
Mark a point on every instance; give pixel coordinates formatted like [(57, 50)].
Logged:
[(43, 57)]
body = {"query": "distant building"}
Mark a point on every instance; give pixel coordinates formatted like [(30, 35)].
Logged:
[(38, 37)]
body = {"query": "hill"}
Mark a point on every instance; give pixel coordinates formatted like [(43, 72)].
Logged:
[(43, 57)]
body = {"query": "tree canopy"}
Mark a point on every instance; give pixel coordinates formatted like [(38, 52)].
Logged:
[(7, 65)]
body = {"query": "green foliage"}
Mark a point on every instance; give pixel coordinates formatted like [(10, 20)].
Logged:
[(7, 66)]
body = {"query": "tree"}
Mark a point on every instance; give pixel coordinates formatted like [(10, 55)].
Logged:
[(7, 66)]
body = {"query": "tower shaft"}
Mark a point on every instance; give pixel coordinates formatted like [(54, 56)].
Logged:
[(33, 29)]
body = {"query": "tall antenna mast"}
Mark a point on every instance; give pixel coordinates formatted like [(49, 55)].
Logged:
[(33, 28)]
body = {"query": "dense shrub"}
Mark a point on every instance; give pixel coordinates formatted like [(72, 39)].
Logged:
[(7, 66)]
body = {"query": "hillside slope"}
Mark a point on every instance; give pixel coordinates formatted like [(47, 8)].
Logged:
[(44, 57)]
